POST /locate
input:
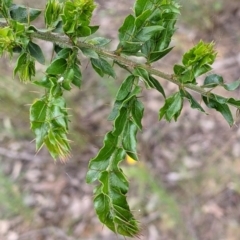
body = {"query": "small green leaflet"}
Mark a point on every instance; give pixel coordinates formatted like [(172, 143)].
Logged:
[(172, 107), (149, 80), (212, 81), (120, 121), (36, 52), (192, 101), (129, 141), (220, 107), (58, 66), (89, 53), (137, 110), (125, 88), (126, 30), (101, 66), (101, 161), (99, 41), (232, 86), (23, 14)]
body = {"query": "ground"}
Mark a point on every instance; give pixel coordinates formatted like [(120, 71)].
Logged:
[(186, 185)]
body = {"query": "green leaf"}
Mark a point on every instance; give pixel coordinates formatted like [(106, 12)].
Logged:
[(147, 32), (141, 5), (101, 66), (134, 93), (192, 101), (126, 30), (22, 59), (114, 113), (232, 86), (64, 53), (212, 81), (141, 20), (52, 13), (172, 107), (102, 206), (156, 84), (234, 102), (154, 56), (25, 67), (101, 161), (129, 140), (222, 108), (68, 77), (89, 53), (77, 81), (23, 14), (36, 52), (149, 80), (99, 41), (179, 69), (141, 72), (58, 66), (120, 121), (137, 110), (130, 48), (38, 113), (44, 82), (83, 31), (125, 88)]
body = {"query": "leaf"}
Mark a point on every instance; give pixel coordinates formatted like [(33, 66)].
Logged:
[(101, 161), (172, 107), (137, 110), (77, 81), (212, 81), (38, 113), (63, 53), (232, 86), (154, 56), (140, 21), (23, 14), (129, 140), (58, 66), (192, 101), (125, 88), (147, 32), (101, 66), (99, 41), (130, 48), (141, 5), (102, 206), (134, 93), (114, 113), (89, 53), (156, 84), (234, 102), (22, 59), (68, 77), (126, 30), (120, 121), (141, 72), (222, 108), (36, 52), (52, 13), (149, 80)]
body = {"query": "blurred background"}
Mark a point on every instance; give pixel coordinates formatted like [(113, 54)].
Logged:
[(187, 183)]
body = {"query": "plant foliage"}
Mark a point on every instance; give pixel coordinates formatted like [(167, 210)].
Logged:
[(145, 33)]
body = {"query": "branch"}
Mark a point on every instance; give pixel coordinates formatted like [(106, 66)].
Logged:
[(63, 40)]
